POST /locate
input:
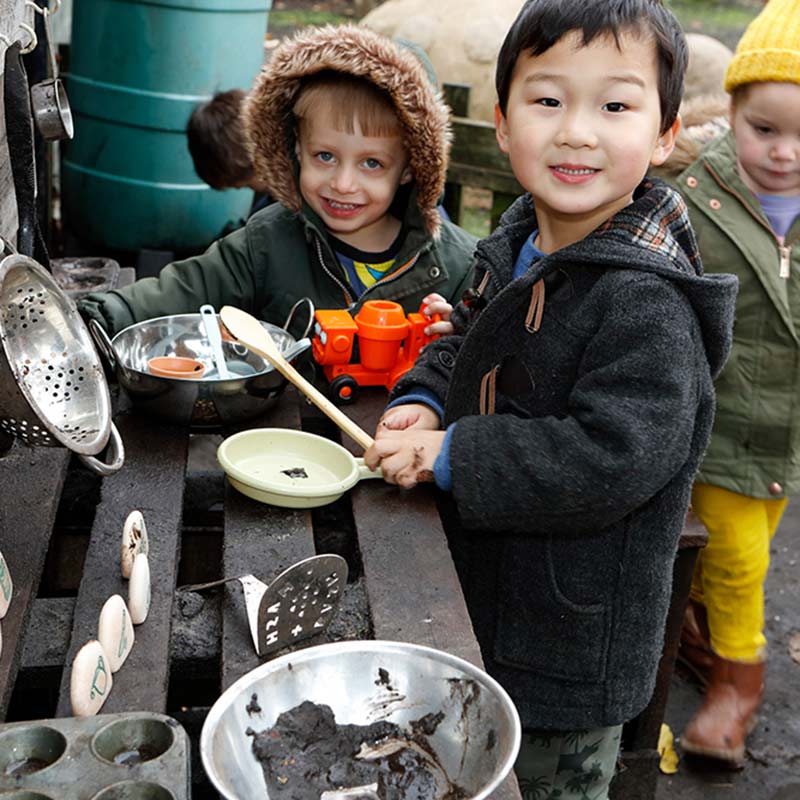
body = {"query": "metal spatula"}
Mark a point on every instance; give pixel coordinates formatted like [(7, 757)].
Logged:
[(247, 329), (299, 603)]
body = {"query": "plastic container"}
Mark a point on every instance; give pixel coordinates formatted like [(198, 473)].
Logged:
[(137, 70), (382, 326), (133, 756)]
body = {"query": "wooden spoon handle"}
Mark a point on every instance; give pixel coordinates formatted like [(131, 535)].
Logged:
[(355, 432)]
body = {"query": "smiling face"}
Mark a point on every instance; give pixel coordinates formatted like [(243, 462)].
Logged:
[(582, 126), (766, 122), (350, 179)]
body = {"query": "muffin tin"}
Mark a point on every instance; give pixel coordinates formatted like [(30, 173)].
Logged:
[(132, 756)]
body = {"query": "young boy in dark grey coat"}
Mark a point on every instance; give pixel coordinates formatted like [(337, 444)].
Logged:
[(569, 411)]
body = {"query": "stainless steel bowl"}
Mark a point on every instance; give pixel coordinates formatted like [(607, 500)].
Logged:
[(476, 743), (207, 402)]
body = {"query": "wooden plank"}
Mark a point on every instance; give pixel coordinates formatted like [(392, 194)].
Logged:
[(413, 588), (412, 585), (475, 142), (260, 540), (152, 481), (464, 174), (31, 480), (456, 95)]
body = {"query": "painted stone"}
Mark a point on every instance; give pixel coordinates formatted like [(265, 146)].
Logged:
[(115, 631), (90, 682), (134, 541), (139, 589), (6, 587)]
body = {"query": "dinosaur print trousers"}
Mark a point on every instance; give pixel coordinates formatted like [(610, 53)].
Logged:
[(568, 765)]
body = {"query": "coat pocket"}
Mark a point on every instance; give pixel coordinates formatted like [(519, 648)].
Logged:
[(539, 628)]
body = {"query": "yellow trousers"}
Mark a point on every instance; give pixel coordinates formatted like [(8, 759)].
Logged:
[(730, 572)]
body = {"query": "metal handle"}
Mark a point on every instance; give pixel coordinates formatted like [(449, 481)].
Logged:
[(300, 346), (211, 325), (365, 472), (116, 453), (103, 342), (293, 311), (196, 587)]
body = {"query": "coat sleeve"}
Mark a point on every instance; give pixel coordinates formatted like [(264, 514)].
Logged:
[(432, 368), (224, 274), (628, 430)]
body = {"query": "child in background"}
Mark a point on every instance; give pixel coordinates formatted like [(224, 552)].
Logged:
[(350, 136), (218, 146), (743, 195), (567, 415)]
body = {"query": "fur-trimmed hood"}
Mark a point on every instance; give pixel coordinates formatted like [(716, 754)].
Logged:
[(423, 115), (703, 119)]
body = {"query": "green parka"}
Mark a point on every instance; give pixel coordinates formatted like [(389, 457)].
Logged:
[(279, 257), (283, 254), (755, 446)]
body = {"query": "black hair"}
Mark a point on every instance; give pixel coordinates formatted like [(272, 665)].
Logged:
[(542, 23), (216, 139)]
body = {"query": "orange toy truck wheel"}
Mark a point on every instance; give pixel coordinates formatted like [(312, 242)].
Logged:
[(343, 389)]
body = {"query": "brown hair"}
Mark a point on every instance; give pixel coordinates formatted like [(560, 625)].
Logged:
[(348, 98), (217, 143)]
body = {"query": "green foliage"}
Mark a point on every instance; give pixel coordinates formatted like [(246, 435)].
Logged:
[(286, 21)]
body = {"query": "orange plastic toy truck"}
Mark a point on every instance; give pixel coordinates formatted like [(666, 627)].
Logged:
[(388, 343)]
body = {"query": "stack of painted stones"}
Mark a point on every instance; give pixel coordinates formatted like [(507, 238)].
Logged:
[(98, 659)]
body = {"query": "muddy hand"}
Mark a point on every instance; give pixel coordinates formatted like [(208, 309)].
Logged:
[(406, 457), (408, 415)]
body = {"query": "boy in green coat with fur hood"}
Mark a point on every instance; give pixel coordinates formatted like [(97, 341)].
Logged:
[(349, 134)]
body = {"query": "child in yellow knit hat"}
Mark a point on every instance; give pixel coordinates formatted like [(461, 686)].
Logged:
[(743, 194)]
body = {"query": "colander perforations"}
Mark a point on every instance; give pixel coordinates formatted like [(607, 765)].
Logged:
[(60, 395)]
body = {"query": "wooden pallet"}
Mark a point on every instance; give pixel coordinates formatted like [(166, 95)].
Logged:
[(411, 586)]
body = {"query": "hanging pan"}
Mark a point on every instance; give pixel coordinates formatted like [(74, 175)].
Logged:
[(52, 388), (289, 468)]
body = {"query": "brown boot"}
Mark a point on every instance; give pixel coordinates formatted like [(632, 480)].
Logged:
[(694, 649), (728, 713)]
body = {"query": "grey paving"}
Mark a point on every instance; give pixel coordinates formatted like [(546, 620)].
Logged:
[(773, 764)]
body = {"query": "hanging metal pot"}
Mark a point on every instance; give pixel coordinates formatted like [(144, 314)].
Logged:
[(52, 388), (49, 101)]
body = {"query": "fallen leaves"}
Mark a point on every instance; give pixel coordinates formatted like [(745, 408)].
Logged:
[(669, 758), (794, 647)]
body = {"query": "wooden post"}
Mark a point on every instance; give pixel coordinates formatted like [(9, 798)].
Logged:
[(363, 7)]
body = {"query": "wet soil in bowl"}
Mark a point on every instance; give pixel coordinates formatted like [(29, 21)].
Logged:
[(307, 753)]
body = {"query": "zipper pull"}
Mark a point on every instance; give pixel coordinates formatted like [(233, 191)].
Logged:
[(785, 252)]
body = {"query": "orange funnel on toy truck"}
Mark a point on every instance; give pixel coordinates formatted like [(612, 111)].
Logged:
[(388, 342)]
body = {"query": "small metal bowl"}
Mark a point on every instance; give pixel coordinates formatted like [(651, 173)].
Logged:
[(207, 402), (365, 681)]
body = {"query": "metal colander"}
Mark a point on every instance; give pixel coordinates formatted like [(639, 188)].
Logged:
[(52, 388)]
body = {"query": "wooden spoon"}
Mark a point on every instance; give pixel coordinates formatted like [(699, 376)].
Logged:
[(246, 329)]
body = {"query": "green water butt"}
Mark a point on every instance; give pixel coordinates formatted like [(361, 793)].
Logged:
[(137, 71)]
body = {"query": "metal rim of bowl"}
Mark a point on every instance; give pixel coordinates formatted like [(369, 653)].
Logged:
[(125, 365), (226, 699)]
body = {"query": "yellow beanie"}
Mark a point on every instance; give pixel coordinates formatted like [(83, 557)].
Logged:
[(769, 49)]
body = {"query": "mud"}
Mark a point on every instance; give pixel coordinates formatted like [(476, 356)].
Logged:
[(306, 753)]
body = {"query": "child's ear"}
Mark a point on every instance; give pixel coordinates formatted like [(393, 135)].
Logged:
[(407, 176), (500, 128), (666, 143)]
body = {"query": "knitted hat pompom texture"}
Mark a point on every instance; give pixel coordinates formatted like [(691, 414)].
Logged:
[(769, 49)]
